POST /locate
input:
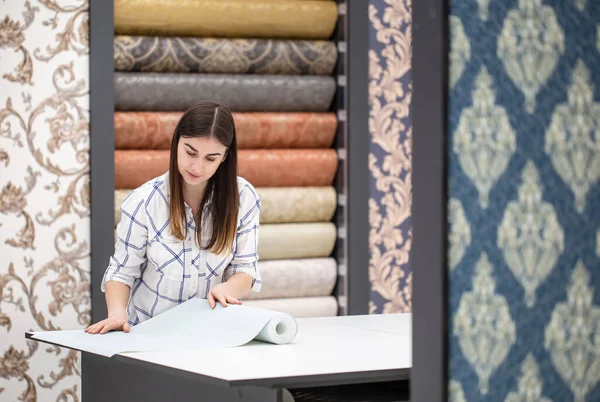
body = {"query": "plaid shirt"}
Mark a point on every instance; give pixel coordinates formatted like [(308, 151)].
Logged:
[(163, 271)]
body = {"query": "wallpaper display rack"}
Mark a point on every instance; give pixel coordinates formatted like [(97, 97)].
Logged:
[(112, 61)]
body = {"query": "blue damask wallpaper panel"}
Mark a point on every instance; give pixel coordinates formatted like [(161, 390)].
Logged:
[(524, 201), (390, 93)]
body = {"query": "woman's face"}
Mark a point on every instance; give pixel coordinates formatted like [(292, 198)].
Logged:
[(199, 158)]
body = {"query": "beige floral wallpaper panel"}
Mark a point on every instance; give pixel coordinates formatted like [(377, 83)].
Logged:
[(44, 193), (390, 156)]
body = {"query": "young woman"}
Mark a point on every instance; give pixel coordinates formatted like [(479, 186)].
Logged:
[(192, 232)]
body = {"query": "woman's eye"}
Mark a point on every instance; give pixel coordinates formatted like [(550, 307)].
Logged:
[(190, 153), (210, 160)]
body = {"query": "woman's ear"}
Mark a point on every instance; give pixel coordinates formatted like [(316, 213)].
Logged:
[(225, 155)]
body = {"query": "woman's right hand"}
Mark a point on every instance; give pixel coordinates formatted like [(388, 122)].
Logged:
[(114, 322)]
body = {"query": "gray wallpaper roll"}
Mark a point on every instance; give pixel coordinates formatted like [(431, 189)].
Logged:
[(299, 307), (296, 240), (302, 277), (170, 92)]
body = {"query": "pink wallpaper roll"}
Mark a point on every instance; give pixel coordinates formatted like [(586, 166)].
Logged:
[(154, 130), (303, 277), (276, 168)]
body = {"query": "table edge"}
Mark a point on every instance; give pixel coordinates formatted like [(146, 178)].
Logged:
[(310, 380)]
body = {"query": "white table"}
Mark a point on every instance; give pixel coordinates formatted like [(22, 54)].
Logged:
[(326, 352)]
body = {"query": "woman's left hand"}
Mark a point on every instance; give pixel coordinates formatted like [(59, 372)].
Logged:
[(220, 293)]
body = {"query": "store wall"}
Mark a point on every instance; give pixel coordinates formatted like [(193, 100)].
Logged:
[(524, 165), (44, 193), (390, 128)]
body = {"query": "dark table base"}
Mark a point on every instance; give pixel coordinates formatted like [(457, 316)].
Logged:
[(116, 380)]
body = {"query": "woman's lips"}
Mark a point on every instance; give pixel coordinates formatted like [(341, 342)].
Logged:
[(193, 176)]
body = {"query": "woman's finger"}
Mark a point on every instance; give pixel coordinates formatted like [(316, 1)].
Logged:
[(126, 327), (105, 329), (233, 300), (211, 300), (222, 300)]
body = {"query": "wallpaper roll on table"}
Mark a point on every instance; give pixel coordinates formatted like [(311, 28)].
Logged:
[(296, 240), (297, 204), (276, 168), (171, 92), (221, 55), (227, 18), (304, 277), (280, 205), (299, 307), (154, 130), (288, 167)]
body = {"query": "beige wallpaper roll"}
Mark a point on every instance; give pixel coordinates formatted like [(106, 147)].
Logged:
[(280, 205), (280, 241), (291, 19), (297, 204), (299, 307), (304, 277)]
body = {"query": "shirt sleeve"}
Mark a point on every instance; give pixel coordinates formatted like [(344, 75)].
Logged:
[(130, 248), (245, 247)]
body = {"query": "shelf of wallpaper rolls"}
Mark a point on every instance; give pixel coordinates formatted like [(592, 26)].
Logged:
[(298, 89)]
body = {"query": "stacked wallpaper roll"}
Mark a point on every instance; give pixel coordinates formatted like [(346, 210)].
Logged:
[(271, 62)]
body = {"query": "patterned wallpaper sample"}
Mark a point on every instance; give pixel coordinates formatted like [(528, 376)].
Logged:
[(390, 93), (524, 207), (44, 194)]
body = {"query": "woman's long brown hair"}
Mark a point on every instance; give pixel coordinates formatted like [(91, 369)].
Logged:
[(207, 119)]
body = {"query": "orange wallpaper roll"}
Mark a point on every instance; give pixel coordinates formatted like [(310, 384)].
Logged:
[(145, 130), (288, 167), (134, 168), (154, 130), (262, 168)]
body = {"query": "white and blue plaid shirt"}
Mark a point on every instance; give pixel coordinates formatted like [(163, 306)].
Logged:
[(163, 271)]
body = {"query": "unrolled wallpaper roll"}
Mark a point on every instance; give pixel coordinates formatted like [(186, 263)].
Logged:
[(154, 130), (299, 307), (296, 240), (280, 204), (277, 168), (221, 55), (303, 277), (171, 92), (297, 204), (227, 18), (178, 328)]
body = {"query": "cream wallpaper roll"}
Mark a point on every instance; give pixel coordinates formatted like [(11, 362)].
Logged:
[(299, 307), (296, 278), (296, 240), (44, 194), (280, 205), (297, 204)]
